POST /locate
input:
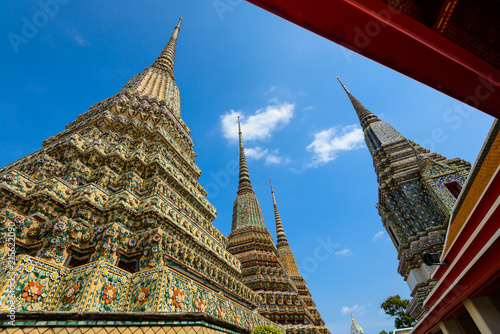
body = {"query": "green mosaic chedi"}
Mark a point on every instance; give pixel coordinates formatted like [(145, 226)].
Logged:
[(287, 259), (268, 270), (417, 190)]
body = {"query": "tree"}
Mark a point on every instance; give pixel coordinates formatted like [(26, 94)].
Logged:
[(384, 332), (398, 308), (266, 330)]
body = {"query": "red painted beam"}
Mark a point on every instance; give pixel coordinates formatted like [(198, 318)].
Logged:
[(479, 277), (452, 289), (380, 32)]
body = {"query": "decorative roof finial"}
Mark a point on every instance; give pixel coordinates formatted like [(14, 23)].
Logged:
[(280, 231), (244, 184), (166, 59), (365, 116)]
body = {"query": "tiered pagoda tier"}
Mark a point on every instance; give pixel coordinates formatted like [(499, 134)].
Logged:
[(262, 271), (109, 215), (287, 259), (417, 190)]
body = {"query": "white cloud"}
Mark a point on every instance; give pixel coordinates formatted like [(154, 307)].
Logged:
[(272, 159), (345, 251), (378, 235), (78, 38), (359, 309), (328, 143), (255, 152), (259, 125), (272, 89)]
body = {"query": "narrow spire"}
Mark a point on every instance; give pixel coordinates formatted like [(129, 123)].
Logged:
[(365, 116), (355, 327), (280, 231), (244, 184), (166, 59)]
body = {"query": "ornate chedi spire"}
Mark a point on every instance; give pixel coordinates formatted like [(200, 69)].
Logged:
[(110, 215), (262, 271), (280, 231), (365, 116), (417, 190), (166, 60), (287, 258), (355, 327), (244, 184), (156, 83), (246, 210)]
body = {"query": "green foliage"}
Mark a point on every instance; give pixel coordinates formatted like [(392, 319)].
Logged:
[(398, 308), (384, 332), (266, 330)]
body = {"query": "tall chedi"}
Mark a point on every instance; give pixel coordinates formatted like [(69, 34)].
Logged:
[(417, 190), (262, 271), (109, 216), (288, 260), (355, 327)]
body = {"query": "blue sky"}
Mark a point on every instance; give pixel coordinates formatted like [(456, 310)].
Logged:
[(299, 127)]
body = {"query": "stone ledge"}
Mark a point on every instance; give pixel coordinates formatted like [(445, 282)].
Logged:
[(55, 318)]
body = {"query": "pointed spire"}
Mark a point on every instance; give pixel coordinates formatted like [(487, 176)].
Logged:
[(244, 184), (166, 59), (365, 116), (355, 327), (280, 231)]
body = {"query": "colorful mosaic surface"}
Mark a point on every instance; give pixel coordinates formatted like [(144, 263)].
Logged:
[(414, 199), (94, 328), (120, 185), (101, 287)]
